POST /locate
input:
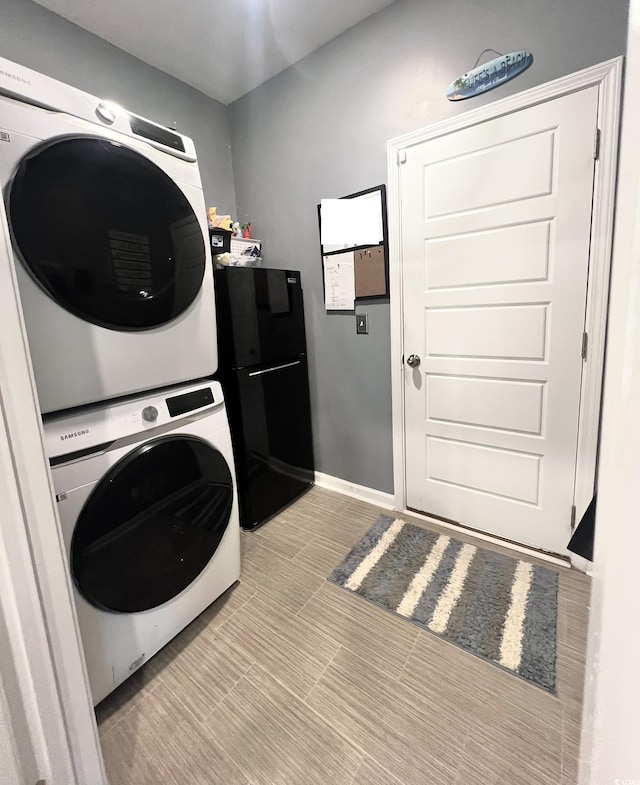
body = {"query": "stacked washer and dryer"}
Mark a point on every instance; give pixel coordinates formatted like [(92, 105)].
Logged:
[(107, 220)]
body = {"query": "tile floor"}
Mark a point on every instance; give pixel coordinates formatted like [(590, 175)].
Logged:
[(288, 680)]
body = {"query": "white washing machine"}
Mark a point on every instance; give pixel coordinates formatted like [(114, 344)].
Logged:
[(147, 502), (109, 232)]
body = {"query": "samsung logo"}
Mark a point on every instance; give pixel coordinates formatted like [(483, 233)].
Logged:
[(73, 435), (15, 77)]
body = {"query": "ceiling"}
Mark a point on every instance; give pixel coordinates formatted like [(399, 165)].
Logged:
[(224, 48)]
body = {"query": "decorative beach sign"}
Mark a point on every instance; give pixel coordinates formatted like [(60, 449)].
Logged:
[(489, 75)]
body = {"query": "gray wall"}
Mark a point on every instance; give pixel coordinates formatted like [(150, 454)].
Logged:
[(319, 130), (34, 37)]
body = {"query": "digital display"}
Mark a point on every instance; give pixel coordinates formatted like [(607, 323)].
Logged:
[(156, 134), (189, 402)]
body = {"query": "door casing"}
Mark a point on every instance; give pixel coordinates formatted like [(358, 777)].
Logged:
[(607, 77)]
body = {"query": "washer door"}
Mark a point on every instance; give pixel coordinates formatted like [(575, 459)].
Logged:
[(152, 524), (106, 233)]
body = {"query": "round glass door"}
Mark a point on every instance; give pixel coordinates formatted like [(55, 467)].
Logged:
[(106, 233), (152, 524)]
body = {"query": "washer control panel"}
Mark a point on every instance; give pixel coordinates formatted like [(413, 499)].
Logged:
[(100, 425)]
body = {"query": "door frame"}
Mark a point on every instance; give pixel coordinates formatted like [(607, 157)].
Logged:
[(49, 701), (607, 77)]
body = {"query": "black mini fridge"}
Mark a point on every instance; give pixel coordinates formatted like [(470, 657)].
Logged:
[(263, 370)]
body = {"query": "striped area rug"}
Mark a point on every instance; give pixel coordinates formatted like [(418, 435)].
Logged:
[(496, 607)]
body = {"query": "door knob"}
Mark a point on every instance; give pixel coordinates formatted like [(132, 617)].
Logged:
[(413, 361)]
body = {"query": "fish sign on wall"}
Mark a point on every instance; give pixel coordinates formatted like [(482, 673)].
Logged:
[(489, 75)]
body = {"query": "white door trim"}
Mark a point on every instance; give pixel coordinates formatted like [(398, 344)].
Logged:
[(36, 601), (608, 78)]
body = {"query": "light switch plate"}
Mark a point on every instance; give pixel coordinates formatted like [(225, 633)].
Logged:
[(362, 324)]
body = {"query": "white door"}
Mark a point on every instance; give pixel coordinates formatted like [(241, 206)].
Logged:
[(495, 233)]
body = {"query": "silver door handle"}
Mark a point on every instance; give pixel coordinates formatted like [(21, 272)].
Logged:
[(413, 361), (275, 368)]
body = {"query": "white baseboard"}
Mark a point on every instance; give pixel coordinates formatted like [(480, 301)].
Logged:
[(370, 495), (580, 563)]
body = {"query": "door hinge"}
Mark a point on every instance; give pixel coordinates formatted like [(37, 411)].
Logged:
[(402, 157), (573, 517), (585, 345), (596, 145)]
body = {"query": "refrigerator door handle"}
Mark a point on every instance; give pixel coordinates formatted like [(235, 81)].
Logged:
[(275, 368)]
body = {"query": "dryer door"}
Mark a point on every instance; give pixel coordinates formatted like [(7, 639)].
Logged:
[(106, 233), (152, 524)]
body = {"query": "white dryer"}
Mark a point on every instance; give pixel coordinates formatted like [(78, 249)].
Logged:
[(147, 501), (108, 225)]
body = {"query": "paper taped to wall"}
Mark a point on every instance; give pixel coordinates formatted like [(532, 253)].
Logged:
[(339, 282), (371, 216), (351, 222)]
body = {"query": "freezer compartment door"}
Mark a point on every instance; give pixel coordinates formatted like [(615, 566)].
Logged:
[(260, 316), (275, 462)]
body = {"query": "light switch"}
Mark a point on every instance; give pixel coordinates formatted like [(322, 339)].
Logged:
[(362, 324)]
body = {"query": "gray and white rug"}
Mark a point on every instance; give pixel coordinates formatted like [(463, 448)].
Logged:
[(500, 608)]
